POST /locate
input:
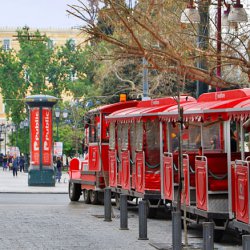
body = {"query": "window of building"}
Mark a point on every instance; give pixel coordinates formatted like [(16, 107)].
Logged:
[(6, 44), (51, 44), (72, 44)]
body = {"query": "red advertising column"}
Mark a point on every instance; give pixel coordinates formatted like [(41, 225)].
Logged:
[(47, 137), (41, 170), (35, 137)]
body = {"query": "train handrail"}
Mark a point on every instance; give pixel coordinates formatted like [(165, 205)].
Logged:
[(216, 177), (152, 166), (202, 157), (191, 169), (241, 162), (168, 154)]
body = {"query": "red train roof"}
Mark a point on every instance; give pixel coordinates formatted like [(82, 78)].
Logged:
[(146, 109), (109, 108), (241, 111), (209, 106)]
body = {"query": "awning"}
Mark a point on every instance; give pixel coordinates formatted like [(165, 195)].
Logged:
[(210, 107), (145, 110)]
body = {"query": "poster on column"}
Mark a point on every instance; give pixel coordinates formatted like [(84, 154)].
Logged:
[(47, 136), (58, 148), (35, 136)]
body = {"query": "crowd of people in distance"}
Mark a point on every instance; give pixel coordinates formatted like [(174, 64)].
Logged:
[(12, 162), (16, 163)]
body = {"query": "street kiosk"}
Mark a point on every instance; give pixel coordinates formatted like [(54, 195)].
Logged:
[(41, 170)]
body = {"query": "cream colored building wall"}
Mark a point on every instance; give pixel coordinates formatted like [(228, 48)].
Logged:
[(2, 112), (58, 35)]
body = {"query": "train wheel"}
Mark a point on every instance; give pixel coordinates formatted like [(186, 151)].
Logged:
[(117, 201), (93, 196), (86, 196), (218, 233), (151, 211), (74, 191), (101, 198)]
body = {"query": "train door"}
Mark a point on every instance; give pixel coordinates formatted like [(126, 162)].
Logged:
[(112, 155)]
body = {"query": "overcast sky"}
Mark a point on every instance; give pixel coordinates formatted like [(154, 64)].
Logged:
[(36, 13)]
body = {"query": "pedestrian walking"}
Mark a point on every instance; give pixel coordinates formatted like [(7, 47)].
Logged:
[(21, 163), (15, 165), (59, 169), (5, 162), (1, 159), (9, 161)]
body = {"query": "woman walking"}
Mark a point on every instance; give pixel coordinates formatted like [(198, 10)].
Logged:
[(15, 165), (59, 168)]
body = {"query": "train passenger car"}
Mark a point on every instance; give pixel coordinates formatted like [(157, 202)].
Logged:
[(240, 181), (90, 176), (210, 148), (134, 150)]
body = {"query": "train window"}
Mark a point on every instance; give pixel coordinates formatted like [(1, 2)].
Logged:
[(152, 147), (93, 129), (139, 136), (174, 141), (105, 129), (124, 136), (119, 140), (234, 136), (192, 137), (212, 136), (132, 141), (247, 142), (164, 137), (112, 135)]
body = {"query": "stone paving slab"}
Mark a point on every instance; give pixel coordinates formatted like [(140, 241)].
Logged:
[(19, 184)]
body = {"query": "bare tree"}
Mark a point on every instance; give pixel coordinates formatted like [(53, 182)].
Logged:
[(152, 30)]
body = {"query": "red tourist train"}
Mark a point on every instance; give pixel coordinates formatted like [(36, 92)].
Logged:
[(134, 149), (214, 148), (90, 176)]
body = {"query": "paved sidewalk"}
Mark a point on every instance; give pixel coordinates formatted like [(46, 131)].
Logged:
[(19, 184)]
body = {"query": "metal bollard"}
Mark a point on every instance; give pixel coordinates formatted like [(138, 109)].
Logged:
[(246, 242), (208, 235), (143, 220), (123, 212), (176, 230), (107, 204)]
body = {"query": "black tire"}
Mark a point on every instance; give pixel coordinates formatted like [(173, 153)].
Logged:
[(101, 198), (86, 196), (151, 211), (218, 233), (74, 191), (117, 201), (93, 196)]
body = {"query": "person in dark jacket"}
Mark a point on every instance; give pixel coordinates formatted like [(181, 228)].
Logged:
[(21, 163), (59, 168), (5, 162), (15, 164)]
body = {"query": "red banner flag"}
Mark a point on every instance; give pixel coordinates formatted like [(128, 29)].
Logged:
[(35, 136), (47, 136)]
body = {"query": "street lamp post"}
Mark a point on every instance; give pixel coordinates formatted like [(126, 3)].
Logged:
[(1, 130), (5, 137), (23, 125), (57, 115), (235, 13)]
